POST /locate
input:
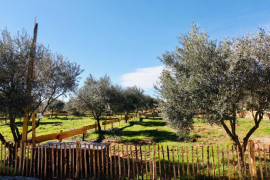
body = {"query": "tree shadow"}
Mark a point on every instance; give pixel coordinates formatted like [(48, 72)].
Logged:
[(153, 123), (155, 118), (56, 123)]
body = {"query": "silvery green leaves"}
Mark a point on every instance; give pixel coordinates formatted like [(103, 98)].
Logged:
[(216, 80)]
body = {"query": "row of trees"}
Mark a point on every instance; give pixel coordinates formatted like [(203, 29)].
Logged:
[(98, 96), (216, 79), (53, 77)]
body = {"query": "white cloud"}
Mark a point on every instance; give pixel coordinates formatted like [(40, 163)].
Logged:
[(144, 78)]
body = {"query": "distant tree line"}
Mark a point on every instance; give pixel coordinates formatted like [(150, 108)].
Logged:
[(99, 96), (55, 76)]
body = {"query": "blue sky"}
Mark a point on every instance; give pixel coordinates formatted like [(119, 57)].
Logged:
[(123, 38)]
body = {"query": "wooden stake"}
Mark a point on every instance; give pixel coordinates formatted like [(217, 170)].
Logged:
[(169, 161), (89, 160), (111, 162), (65, 160), (24, 150), (178, 163), (203, 169), (52, 161), (208, 170), (94, 160), (38, 161), (45, 156), (159, 163), (98, 161), (133, 163), (260, 160), (223, 164), (28, 159), (218, 154), (187, 154), (150, 164), (73, 160), (164, 165), (77, 160), (85, 163), (16, 155), (213, 163), (145, 157), (20, 157), (265, 162), (198, 160), (128, 161), (174, 172), (141, 161), (234, 170), (119, 161), (245, 169), (123, 159), (154, 162), (61, 161), (70, 168), (192, 160), (228, 160), (5, 160), (114, 153), (183, 165)]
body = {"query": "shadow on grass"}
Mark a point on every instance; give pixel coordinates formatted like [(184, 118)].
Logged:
[(155, 118), (56, 123), (68, 118), (155, 135), (153, 123)]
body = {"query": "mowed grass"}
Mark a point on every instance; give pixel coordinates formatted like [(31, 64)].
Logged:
[(152, 130)]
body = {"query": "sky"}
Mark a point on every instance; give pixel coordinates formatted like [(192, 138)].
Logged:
[(124, 38)]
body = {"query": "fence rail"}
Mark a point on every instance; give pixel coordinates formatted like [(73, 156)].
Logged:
[(104, 161), (116, 120)]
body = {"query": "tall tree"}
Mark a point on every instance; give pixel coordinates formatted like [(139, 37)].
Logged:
[(215, 79), (53, 77), (95, 96)]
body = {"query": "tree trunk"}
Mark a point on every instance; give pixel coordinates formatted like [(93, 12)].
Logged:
[(126, 117), (100, 132)]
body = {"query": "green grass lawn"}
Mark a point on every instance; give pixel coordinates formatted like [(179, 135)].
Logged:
[(149, 131)]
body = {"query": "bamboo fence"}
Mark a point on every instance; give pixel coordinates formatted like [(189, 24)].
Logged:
[(104, 161)]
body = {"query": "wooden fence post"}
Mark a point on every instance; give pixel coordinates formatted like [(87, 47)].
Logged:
[(265, 162), (252, 160), (77, 159)]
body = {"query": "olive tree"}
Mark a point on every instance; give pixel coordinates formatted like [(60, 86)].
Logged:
[(204, 76), (95, 96), (56, 105), (53, 77)]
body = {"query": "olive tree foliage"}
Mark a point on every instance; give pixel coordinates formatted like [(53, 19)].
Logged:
[(134, 99), (53, 77), (215, 79), (95, 96), (75, 106), (56, 105)]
